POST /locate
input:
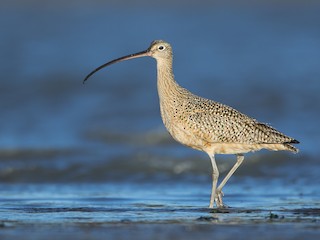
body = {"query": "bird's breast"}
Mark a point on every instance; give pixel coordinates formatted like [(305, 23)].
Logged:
[(175, 120)]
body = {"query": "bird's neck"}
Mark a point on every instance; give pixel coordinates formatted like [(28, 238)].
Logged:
[(167, 86)]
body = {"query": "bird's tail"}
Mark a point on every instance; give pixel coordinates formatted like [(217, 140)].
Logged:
[(290, 147)]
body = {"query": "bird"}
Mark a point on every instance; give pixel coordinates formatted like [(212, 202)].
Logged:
[(204, 124)]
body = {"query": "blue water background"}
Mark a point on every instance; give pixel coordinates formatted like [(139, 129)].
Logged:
[(60, 139)]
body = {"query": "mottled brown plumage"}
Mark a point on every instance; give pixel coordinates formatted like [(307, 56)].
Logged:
[(204, 124)]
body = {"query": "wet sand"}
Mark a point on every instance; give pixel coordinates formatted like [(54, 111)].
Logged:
[(163, 231)]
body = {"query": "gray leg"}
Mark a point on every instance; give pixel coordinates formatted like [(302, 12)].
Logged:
[(215, 175), (219, 193)]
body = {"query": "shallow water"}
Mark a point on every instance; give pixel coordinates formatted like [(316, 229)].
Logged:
[(95, 160), (112, 209), (150, 203)]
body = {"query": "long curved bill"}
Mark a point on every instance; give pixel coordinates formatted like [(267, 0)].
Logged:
[(131, 56)]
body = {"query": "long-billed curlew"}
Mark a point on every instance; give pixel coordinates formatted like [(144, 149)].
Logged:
[(204, 124)]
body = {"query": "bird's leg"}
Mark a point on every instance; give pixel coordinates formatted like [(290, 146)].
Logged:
[(215, 175), (219, 193)]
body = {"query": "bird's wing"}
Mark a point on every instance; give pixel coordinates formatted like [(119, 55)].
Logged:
[(221, 123)]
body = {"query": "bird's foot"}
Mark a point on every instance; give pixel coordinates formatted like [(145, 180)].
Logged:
[(218, 199)]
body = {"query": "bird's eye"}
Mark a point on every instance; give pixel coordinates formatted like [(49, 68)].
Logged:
[(161, 47)]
